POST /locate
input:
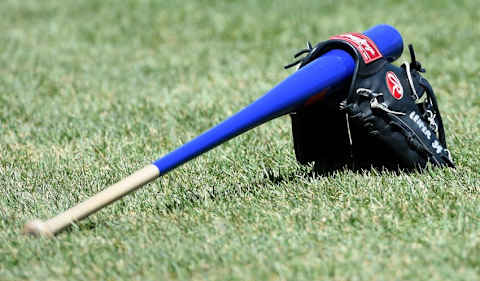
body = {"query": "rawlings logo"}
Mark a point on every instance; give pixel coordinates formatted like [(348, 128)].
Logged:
[(394, 85), (364, 45)]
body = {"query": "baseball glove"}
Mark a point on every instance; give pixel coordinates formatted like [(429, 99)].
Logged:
[(387, 117)]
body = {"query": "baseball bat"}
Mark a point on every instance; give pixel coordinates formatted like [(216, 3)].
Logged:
[(326, 72)]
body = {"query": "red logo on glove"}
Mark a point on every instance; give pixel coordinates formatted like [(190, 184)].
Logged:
[(364, 45), (394, 85)]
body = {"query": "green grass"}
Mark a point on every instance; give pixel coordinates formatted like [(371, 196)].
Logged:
[(90, 91)]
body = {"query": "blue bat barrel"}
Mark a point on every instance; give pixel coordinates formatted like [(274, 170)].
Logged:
[(327, 71)]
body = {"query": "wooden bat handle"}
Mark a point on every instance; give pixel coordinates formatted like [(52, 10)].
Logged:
[(100, 200)]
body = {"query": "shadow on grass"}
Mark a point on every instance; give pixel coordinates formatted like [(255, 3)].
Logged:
[(188, 198)]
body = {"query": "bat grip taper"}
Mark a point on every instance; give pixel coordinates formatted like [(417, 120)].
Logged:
[(100, 200)]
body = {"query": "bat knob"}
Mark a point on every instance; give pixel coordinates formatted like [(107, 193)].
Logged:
[(37, 228)]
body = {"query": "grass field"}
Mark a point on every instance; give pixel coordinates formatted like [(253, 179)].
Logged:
[(90, 91)]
